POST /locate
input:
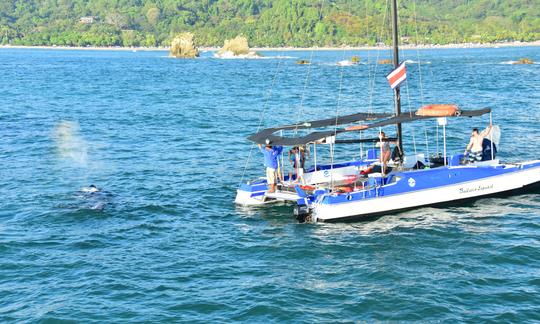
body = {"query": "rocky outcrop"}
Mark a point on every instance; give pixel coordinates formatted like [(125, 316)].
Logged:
[(355, 60), (183, 46), (237, 47), (524, 61)]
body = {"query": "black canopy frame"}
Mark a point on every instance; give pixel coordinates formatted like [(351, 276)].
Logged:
[(267, 137)]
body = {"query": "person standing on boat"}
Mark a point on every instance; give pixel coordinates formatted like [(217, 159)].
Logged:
[(384, 144), (297, 156), (271, 154), (474, 148), (386, 153)]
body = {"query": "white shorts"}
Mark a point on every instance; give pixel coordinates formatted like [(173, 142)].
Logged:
[(271, 175)]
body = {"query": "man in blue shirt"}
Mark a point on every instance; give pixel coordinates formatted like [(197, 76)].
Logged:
[(271, 154)]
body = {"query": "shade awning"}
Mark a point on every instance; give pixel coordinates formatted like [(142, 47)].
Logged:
[(267, 136)]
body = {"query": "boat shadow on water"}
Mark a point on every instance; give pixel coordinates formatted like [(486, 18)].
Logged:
[(278, 212)]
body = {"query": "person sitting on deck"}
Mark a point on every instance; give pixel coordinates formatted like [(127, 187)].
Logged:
[(386, 153), (474, 148), (271, 154)]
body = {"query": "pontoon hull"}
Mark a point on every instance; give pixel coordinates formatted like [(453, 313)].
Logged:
[(519, 181)]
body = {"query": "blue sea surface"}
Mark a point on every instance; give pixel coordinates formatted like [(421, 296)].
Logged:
[(165, 140)]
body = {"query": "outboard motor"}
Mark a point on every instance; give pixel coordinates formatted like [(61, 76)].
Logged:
[(302, 213)]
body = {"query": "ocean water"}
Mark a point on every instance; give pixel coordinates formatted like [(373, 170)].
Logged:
[(165, 141)]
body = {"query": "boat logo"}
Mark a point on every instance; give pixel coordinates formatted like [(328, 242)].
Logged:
[(326, 173), (412, 182)]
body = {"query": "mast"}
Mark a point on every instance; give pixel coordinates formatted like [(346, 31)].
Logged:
[(397, 97)]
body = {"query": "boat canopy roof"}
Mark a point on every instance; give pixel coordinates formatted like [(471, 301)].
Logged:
[(266, 136), (340, 120)]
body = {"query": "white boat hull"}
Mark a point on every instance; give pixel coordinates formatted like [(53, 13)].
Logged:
[(427, 197)]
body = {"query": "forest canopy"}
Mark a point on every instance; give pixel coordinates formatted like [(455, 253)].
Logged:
[(273, 23)]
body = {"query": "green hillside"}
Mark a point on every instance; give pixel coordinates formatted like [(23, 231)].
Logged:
[(264, 22)]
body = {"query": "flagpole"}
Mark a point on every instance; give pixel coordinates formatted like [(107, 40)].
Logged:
[(397, 97)]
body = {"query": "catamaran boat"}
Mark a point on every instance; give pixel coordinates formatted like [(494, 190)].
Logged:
[(352, 191)]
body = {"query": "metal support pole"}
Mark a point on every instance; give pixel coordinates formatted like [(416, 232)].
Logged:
[(381, 155), (444, 143), (437, 137), (491, 136), (427, 142), (282, 168), (332, 164), (315, 155)]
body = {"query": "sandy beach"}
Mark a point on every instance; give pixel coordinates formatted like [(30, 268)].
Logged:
[(352, 48)]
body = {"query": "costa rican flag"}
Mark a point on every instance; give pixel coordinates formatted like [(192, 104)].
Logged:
[(396, 77)]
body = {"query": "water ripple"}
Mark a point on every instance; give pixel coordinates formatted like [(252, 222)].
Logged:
[(165, 139)]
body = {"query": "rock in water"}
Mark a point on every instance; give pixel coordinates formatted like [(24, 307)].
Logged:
[(524, 61), (236, 48), (183, 46), (385, 61), (303, 62)]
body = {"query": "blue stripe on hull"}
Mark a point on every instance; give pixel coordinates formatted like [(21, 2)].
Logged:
[(412, 181), (529, 189)]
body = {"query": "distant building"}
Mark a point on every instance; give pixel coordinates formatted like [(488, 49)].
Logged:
[(88, 20)]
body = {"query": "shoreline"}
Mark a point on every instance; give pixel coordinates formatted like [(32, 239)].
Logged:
[(287, 49)]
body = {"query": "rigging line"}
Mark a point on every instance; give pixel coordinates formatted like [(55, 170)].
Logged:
[(342, 69), (261, 118), (420, 82), (418, 54), (332, 146), (368, 51), (369, 71), (403, 56), (410, 112), (306, 82), (308, 74), (409, 105), (372, 87)]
